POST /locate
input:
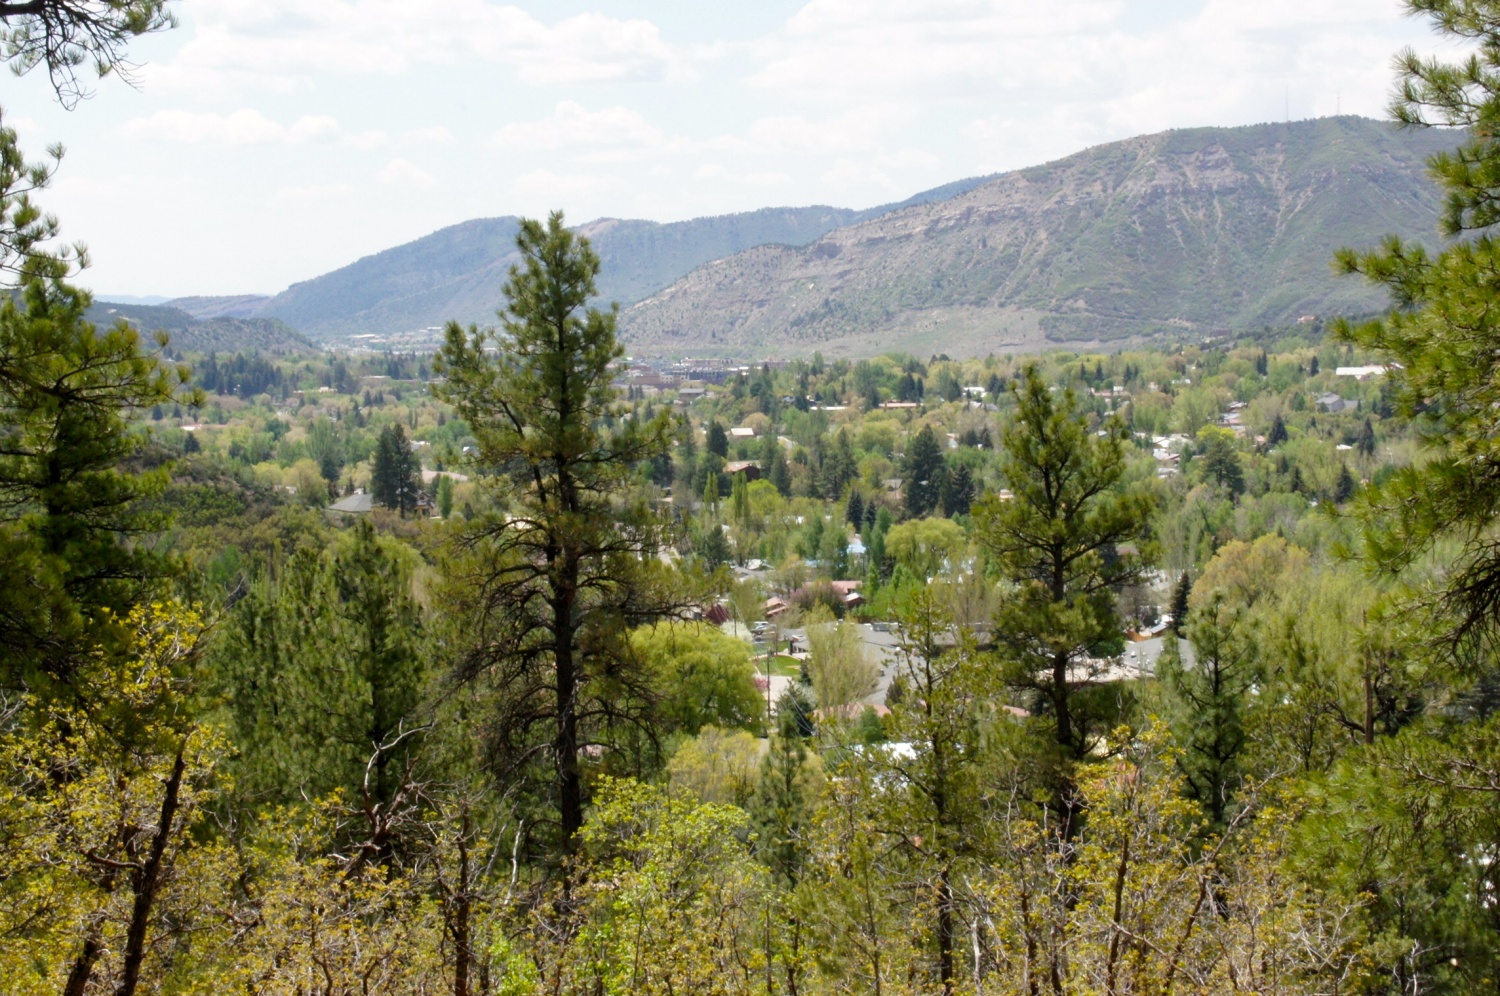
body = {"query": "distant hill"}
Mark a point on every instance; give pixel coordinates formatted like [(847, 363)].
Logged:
[(1191, 230), (232, 306), (457, 272), (195, 335)]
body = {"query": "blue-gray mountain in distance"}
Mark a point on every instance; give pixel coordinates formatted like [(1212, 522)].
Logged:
[(456, 272), (1184, 232)]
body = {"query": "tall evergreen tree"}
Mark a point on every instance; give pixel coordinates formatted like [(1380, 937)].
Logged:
[(1053, 539), (321, 665), (839, 466), (782, 805), (569, 566), (1344, 487), (957, 492), (854, 510), (393, 476), (1276, 435), (1210, 700), (1364, 443), (718, 439), (923, 469), (72, 517), (1180, 594)]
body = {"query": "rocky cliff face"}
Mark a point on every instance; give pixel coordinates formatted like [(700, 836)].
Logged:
[(1202, 229)]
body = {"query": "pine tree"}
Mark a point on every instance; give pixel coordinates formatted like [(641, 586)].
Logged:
[(393, 475), (1277, 433), (73, 516), (781, 807), (773, 465), (718, 439), (1209, 700), (854, 509), (923, 469), (1180, 593), (559, 579), (1069, 509), (1344, 487), (957, 494), (321, 664), (838, 465), (1364, 443)]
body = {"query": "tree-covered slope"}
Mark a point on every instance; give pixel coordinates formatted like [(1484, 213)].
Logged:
[(204, 335), (1197, 229)]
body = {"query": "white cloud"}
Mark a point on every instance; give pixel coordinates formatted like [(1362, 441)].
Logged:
[(405, 173), (243, 127), (571, 125), (946, 46), (1110, 66), (281, 45)]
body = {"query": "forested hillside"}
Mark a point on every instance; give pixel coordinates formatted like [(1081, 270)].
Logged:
[(203, 335)]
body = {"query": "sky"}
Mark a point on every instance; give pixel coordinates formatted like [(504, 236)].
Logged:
[(270, 141)]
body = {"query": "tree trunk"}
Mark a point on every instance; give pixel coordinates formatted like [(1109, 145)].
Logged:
[(945, 929), (83, 965), (462, 941), (147, 878), (565, 745), (1060, 702)]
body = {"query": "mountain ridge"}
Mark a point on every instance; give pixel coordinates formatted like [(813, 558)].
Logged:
[(1182, 232), (1190, 230), (456, 272)]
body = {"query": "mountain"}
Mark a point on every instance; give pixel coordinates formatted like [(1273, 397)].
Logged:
[(230, 306), (1199, 229), (194, 335), (457, 272)]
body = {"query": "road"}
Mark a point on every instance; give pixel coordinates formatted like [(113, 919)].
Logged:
[(1138, 661)]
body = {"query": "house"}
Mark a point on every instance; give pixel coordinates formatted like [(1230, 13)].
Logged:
[(1360, 373), (1333, 404), (774, 607), (749, 468), (742, 432), (849, 592), (687, 395)]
